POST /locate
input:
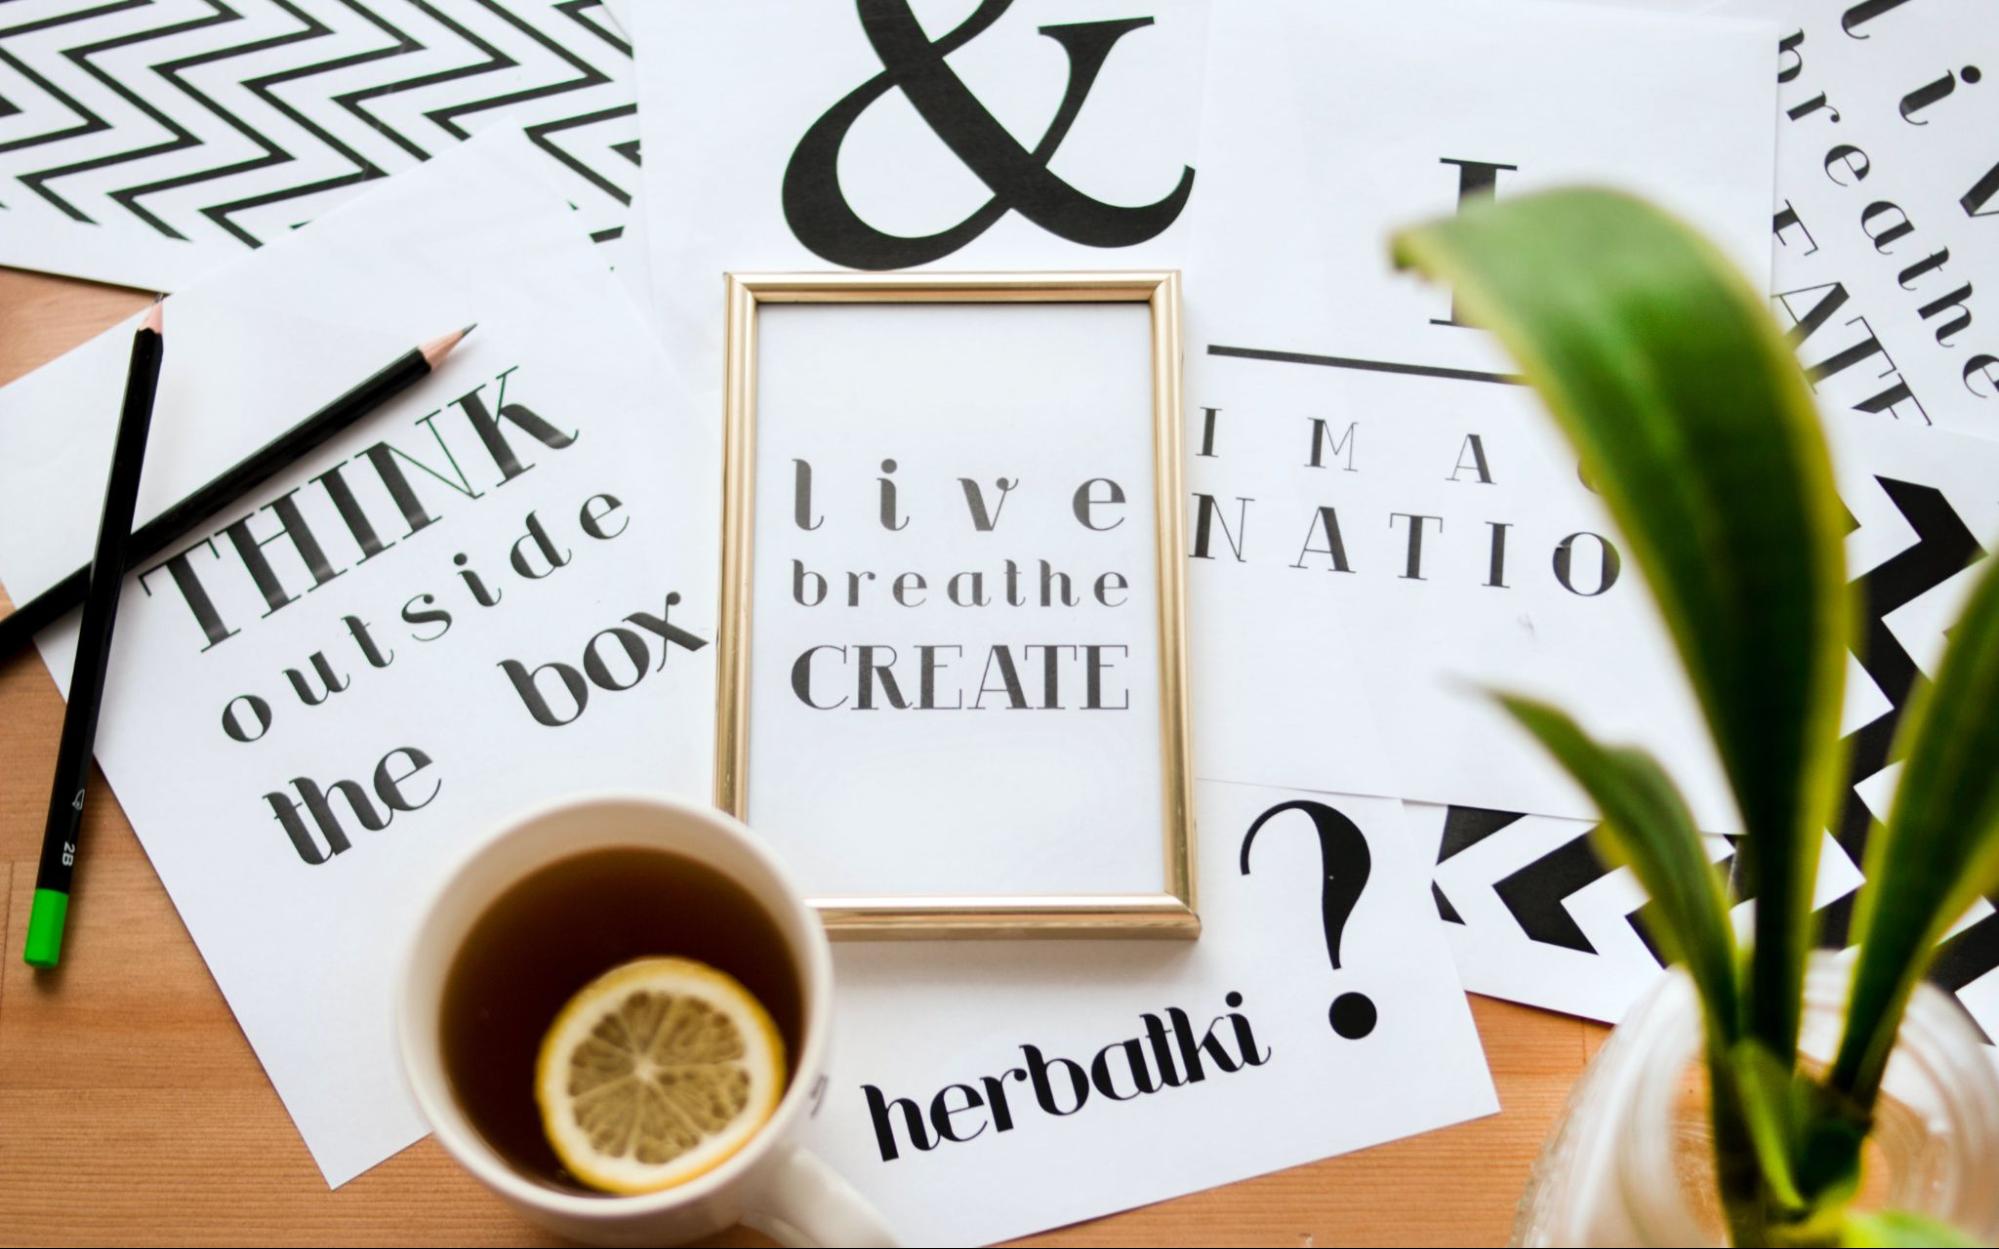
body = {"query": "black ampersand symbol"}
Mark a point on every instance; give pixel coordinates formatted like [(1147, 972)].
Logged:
[(1019, 179)]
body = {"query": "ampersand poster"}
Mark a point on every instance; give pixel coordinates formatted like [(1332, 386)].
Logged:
[(890, 134)]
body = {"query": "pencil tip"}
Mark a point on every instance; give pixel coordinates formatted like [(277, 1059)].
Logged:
[(154, 321), (437, 348)]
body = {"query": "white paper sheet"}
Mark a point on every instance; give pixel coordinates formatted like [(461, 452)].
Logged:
[(1887, 210), (1361, 464), (762, 74), (929, 1023), (307, 951), (954, 611), (145, 144)]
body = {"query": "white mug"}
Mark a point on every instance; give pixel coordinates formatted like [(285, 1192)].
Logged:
[(770, 1184)]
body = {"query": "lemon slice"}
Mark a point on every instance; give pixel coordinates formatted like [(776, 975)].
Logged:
[(656, 1072)]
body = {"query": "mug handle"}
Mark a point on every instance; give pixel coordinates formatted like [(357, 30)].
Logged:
[(805, 1202)]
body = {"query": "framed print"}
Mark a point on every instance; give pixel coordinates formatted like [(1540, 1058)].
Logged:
[(951, 668)]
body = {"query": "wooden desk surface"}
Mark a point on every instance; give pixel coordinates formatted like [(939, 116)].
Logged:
[(131, 1107)]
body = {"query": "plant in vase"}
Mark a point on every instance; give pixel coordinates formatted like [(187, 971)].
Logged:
[(1697, 428)]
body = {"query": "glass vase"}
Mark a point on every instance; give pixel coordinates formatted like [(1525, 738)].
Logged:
[(1630, 1160)]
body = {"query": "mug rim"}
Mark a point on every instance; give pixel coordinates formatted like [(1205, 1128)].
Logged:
[(462, 1140)]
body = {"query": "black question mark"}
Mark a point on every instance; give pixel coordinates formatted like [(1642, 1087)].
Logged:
[(1343, 851)]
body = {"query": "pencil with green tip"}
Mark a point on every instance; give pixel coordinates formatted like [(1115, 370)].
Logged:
[(101, 580), (93, 649)]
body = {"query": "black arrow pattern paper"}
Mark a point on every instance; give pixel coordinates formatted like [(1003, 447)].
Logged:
[(1539, 916), (143, 141)]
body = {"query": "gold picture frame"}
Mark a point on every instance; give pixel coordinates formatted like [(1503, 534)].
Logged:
[(1169, 913)]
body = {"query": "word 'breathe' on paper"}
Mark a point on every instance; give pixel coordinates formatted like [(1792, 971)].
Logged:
[(1041, 676)]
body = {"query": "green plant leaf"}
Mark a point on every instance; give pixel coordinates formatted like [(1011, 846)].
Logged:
[(1898, 1227), (1828, 1153), (1940, 847), (1646, 825), (1695, 424), (1764, 1087)]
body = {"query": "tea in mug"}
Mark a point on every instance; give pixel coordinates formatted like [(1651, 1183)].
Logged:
[(639, 930)]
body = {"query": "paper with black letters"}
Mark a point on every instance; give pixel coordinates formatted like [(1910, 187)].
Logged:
[(806, 156), (954, 634), (1887, 208), (506, 575), (1381, 517), (1292, 1057)]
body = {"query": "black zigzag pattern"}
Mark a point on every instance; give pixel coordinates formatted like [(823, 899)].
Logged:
[(239, 119), (1536, 892), (1465, 827), (1943, 548)]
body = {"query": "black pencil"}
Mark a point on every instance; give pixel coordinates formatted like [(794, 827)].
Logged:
[(93, 650), (156, 535)]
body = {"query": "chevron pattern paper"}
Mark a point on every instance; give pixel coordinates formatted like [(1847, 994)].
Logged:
[(145, 141), (1537, 916)]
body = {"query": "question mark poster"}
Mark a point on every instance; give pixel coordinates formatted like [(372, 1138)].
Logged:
[(1038, 1083)]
